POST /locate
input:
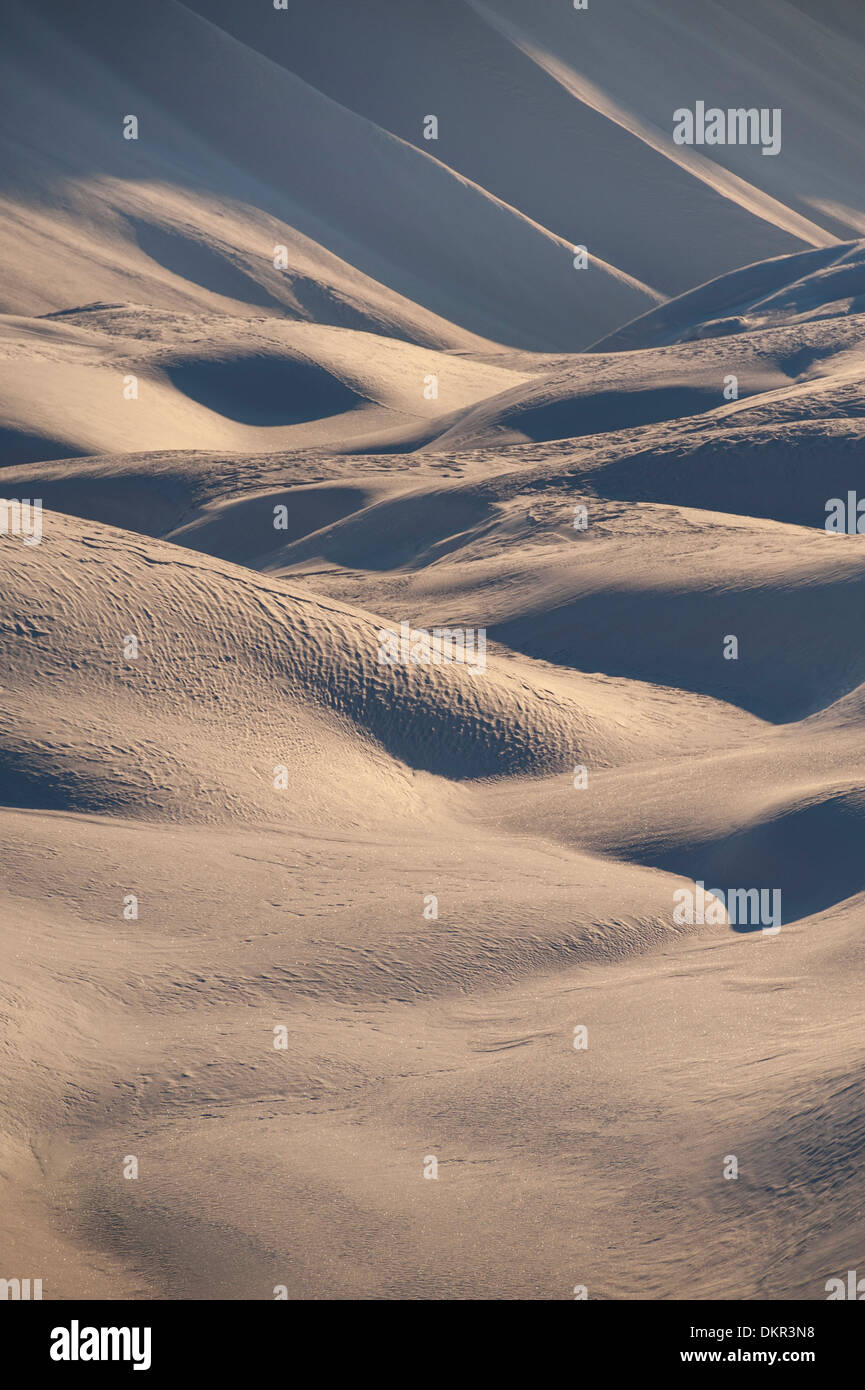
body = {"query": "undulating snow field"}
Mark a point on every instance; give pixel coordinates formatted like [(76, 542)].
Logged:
[(365, 977)]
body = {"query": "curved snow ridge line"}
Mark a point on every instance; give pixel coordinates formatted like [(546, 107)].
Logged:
[(621, 276), (288, 657), (723, 304), (406, 145), (731, 186), (377, 146), (386, 209), (383, 134)]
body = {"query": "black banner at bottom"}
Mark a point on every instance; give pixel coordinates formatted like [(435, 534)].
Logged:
[(152, 1338)]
